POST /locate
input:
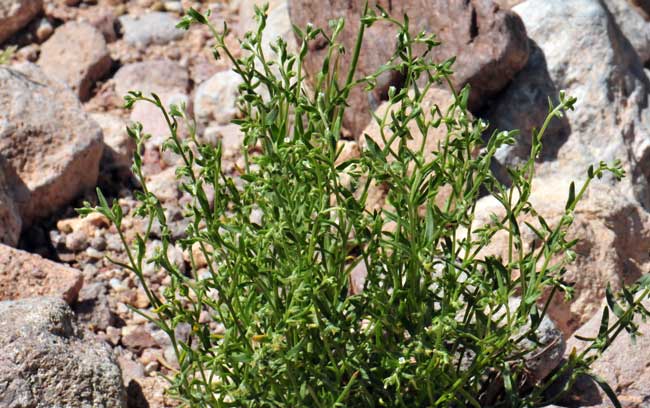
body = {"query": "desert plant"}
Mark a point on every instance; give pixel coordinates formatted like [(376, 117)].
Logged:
[(435, 324), (7, 54)]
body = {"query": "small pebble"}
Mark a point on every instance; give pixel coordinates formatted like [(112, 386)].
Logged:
[(29, 52), (114, 243), (98, 243), (76, 241), (117, 285), (157, 6), (151, 368), (44, 30), (94, 254), (113, 335)]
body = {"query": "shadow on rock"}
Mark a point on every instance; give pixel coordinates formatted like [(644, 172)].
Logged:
[(523, 105)]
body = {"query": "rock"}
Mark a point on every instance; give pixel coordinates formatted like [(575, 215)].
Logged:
[(150, 28), (508, 3), (44, 29), (231, 137), (16, 14), (592, 61), (92, 307), (131, 370), (10, 221), (88, 224), (170, 81), (612, 231), (278, 23), (52, 147), (173, 6), (489, 44), (77, 55), (118, 145), (104, 20), (625, 368), (152, 119), (149, 392), (547, 353), (76, 241), (164, 185), (215, 101), (24, 275), (634, 24), (137, 338), (157, 76), (46, 361)]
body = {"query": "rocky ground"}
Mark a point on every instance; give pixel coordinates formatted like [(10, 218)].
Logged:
[(62, 133)]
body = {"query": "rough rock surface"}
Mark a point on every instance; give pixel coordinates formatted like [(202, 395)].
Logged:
[(15, 14), (594, 62), (52, 147), (613, 232), (634, 24), (46, 361), (624, 365), (278, 23), (489, 44), (156, 76), (10, 221), (150, 28), (215, 99), (118, 146), (77, 55), (24, 275)]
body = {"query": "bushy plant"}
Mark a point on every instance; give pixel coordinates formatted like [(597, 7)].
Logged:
[(435, 324)]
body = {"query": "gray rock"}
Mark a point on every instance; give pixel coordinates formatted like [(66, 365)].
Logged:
[(633, 24), (10, 221), (16, 14), (46, 361), (583, 52), (77, 55), (625, 365), (118, 146), (92, 307), (150, 28), (51, 145), (157, 76), (215, 101)]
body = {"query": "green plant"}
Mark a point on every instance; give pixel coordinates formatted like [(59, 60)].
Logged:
[(7, 54), (434, 324)]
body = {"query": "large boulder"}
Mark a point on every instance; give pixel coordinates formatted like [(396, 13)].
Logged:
[(77, 55), (51, 145), (46, 361), (489, 44), (593, 61), (15, 14), (10, 221), (25, 275)]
